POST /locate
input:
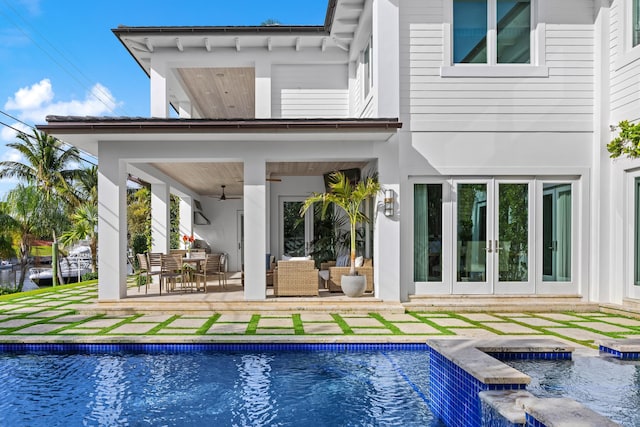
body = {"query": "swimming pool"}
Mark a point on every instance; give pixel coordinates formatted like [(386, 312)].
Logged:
[(604, 384), (275, 388)]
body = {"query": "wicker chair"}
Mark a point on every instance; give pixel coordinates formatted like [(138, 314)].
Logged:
[(295, 279), (336, 273)]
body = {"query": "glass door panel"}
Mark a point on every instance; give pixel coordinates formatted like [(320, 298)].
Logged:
[(513, 232), (427, 233), (556, 232), (471, 225)]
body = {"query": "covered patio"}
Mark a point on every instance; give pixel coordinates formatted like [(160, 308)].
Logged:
[(261, 163)]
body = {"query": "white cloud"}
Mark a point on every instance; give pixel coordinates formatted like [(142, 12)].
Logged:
[(29, 98), (36, 102)]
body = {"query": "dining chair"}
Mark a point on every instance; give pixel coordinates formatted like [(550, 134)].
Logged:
[(146, 272), (210, 268), (172, 271)]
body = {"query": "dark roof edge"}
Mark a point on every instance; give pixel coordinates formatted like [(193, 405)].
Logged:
[(266, 29), (70, 124), (249, 29)]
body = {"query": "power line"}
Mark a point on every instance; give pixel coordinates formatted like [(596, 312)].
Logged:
[(31, 137), (55, 61)]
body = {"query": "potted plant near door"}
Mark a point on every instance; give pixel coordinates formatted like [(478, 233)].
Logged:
[(349, 197)]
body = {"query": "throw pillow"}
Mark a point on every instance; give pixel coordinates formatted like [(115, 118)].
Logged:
[(342, 261), (359, 261)]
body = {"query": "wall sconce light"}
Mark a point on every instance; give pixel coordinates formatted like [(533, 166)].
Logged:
[(389, 203)]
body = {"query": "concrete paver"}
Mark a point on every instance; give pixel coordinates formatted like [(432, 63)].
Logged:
[(43, 316)]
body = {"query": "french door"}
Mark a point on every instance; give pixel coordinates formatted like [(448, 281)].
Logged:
[(492, 236)]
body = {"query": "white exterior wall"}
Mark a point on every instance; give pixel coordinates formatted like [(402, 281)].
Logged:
[(309, 91), (488, 123), (619, 175)]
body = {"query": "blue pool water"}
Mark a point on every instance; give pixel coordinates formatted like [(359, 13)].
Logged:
[(603, 384), (217, 388)]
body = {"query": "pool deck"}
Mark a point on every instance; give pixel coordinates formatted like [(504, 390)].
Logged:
[(69, 315)]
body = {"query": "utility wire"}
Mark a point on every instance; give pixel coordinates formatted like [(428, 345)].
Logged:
[(101, 99), (31, 137)]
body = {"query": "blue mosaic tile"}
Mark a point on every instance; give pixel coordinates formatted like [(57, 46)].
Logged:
[(631, 355), (532, 422), (539, 355), (454, 392), (92, 348)]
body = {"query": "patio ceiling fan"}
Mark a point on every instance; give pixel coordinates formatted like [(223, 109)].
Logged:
[(224, 197)]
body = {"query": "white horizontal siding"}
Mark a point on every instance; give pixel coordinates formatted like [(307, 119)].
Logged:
[(624, 67), (562, 101), (307, 91)]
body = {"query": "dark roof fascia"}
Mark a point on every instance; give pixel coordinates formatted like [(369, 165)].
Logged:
[(217, 30), (86, 125), (249, 29)]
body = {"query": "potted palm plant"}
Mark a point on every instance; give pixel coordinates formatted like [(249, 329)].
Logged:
[(349, 198)]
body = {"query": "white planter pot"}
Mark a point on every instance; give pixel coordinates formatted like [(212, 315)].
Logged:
[(353, 286)]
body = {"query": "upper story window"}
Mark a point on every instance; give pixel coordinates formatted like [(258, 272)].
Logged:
[(492, 31), (367, 68), (636, 23)]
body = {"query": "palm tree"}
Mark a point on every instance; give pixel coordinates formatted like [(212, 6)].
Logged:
[(349, 198), (47, 164), (25, 215), (84, 226)]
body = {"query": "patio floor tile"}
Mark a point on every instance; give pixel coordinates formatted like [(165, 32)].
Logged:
[(274, 331), (133, 328), (362, 322), (473, 332), (227, 328), (482, 317), (187, 323), (271, 322), (42, 328), (101, 323), (451, 322), (622, 321), (399, 317), (536, 321), (174, 331), (71, 318), (80, 331), (604, 327), (417, 328), (155, 318), (512, 328), (560, 316), (16, 323), (371, 331), (578, 334), (322, 328), (239, 317), (316, 317), (49, 313)]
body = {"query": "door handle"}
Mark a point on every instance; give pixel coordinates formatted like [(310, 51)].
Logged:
[(489, 250), (497, 247)]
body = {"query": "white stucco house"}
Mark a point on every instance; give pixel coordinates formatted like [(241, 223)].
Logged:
[(487, 119)]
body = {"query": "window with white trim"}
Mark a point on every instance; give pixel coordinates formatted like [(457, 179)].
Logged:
[(492, 31), (367, 68), (635, 26)]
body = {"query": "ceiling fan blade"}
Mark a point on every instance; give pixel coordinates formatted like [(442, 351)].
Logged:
[(266, 179)]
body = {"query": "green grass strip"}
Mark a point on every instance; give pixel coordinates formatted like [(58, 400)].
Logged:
[(162, 325), (542, 329), (478, 324), (202, 330), (252, 327), (56, 289), (393, 328), (117, 325), (346, 329), (298, 327), (443, 330)]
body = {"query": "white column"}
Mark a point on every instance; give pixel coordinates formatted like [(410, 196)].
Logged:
[(160, 218), (386, 57), (159, 90), (255, 284), (263, 90), (112, 226), (387, 229), (186, 216)]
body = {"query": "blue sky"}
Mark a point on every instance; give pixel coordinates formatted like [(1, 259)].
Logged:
[(60, 57)]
